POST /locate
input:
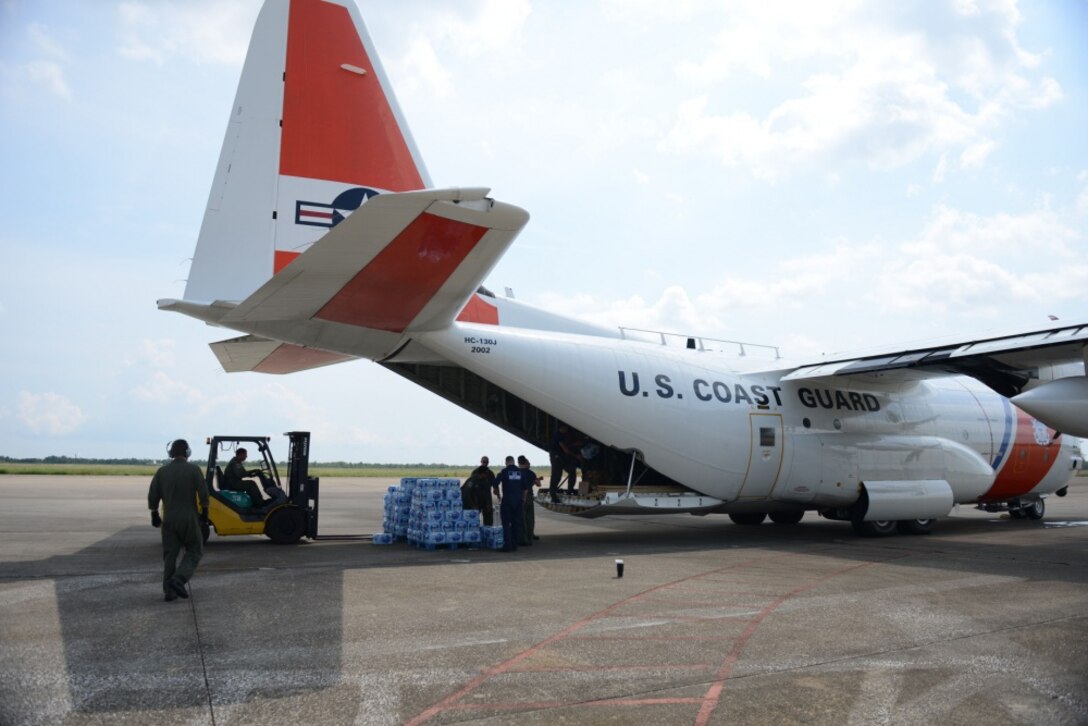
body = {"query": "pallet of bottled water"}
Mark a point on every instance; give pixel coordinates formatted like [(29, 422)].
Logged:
[(491, 537), (428, 513)]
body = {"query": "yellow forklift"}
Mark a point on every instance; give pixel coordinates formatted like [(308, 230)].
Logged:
[(293, 512)]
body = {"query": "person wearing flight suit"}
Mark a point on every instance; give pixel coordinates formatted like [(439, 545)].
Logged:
[(479, 483), (178, 485), (510, 487), (234, 479), (530, 480)]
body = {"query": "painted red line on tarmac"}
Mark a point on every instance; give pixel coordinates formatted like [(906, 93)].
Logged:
[(596, 669), (651, 637), (642, 701), (713, 694), (450, 702), (542, 705), (702, 618)]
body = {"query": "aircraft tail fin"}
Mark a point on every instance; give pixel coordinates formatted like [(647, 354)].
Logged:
[(314, 132)]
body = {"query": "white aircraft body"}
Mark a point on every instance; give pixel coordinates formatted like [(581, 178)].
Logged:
[(323, 242)]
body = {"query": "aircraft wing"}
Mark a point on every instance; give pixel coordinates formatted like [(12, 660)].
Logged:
[(261, 355), (1009, 364)]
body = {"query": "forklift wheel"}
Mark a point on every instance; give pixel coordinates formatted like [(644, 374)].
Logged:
[(285, 525)]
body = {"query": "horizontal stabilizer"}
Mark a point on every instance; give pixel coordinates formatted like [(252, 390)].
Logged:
[(402, 262), (260, 355)]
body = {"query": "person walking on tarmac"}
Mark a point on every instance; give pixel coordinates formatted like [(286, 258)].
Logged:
[(177, 485), (234, 479), (530, 479), (479, 484), (510, 487)]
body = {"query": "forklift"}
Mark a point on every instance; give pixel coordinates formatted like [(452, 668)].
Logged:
[(293, 513)]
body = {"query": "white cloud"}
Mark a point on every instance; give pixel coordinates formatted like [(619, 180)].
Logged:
[(975, 154), (958, 265), (423, 68), (498, 24), (876, 87), (204, 31), (1041, 230), (790, 286), (942, 283), (158, 353), (39, 34), (50, 75), (164, 389), (49, 413)]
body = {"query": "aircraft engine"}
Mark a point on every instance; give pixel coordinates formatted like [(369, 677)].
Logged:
[(1062, 404)]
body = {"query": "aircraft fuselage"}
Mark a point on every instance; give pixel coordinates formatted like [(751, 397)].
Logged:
[(700, 419)]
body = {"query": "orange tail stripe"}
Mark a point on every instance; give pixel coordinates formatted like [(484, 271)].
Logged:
[(338, 125), (478, 311), (391, 291)]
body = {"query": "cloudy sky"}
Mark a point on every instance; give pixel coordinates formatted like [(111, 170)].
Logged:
[(824, 177)]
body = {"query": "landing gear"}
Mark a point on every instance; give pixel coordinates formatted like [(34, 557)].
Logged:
[(748, 518), (876, 528), (789, 516), (1035, 510), (915, 526), (1027, 510)]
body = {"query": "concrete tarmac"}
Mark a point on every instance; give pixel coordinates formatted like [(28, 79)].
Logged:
[(983, 621)]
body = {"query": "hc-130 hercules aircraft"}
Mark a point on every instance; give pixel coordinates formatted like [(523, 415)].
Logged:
[(320, 182)]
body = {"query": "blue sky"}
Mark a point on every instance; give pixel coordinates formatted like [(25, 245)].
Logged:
[(819, 176)]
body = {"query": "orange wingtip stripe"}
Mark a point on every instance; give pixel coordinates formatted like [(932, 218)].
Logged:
[(391, 291)]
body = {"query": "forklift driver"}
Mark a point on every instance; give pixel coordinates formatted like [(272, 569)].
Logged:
[(234, 478)]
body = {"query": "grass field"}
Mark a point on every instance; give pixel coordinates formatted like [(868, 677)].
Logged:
[(394, 471)]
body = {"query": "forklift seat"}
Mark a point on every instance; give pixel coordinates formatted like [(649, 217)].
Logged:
[(218, 478)]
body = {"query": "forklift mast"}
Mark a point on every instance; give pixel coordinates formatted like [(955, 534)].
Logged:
[(301, 487)]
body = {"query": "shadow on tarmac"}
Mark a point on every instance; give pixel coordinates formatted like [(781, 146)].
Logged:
[(279, 610)]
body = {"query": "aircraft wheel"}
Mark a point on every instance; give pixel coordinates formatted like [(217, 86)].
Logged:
[(285, 525), (790, 516), (748, 518), (1016, 514), (876, 528), (1035, 510), (915, 526)]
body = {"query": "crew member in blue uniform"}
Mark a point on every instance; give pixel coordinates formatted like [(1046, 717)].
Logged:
[(510, 488), (529, 479)]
